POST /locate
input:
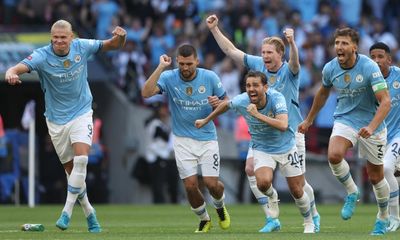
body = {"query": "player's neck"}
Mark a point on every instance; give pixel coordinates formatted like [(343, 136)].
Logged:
[(59, 53), (276, 68), (193, 76), (351, 62), (262, 103), (385, 72)]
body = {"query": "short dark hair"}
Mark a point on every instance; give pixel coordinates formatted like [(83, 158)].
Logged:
[(344, 32), (187, 50), (380, 45), (256, 74)]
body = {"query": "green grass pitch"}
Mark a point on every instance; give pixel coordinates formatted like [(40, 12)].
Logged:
[(177, 222)]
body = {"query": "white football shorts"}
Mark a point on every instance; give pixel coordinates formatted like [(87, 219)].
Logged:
[(190, 154), (301, 150), (372, 148), (392, 155), (289, 164), (79, 129)]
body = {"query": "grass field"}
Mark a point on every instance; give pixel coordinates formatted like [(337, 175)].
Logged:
[(177, 222)]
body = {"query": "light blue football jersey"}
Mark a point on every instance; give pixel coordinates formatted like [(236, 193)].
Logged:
[(264, 137), (64, 79), (188, 102), (283, 81), (393, 118), (356, 101)]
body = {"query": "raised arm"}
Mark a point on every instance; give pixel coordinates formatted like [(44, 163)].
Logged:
[(12, 74), (383, 98), (280, 121), (150, 87), (223, 42), (222, 107), (318, 102), (117, 41), (294, 62)]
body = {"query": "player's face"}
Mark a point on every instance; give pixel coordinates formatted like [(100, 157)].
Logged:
[(187, 66), (272, 59), (382, 58), (61, 39), (256, 90), (345, 51)]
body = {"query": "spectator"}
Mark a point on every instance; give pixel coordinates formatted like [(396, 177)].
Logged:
[(162, 167)]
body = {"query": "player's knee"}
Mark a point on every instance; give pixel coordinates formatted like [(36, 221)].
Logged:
[(297, 192), (335, 158), (375, 178), (249, 170), (78, 175), (263, 184), (80, 163), (190, 184), (213, 185)]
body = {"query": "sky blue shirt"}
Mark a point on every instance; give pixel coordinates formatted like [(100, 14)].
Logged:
[(355, 87), (264, 137), (393, 118), (188, 102), (64, 79), (283, 81)]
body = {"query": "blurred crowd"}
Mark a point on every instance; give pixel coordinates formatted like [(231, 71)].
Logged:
[(155, 27)]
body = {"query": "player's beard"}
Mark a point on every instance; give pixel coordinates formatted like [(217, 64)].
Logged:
[(186, 74)]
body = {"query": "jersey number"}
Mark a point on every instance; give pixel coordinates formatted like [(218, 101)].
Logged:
[(295, 160)]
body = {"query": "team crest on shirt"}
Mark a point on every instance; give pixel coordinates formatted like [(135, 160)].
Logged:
[(359, 78), (270, 114), (202, 89), (396, 84), (189, 91), (67, 63), (272, 80), (77, 58), (347, 78)]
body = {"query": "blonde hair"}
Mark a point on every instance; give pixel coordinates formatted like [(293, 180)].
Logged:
[(277, 42), (62, 24)]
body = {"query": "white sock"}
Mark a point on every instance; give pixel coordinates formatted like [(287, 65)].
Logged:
[(261, 197), (271, 193), (381, 191), (84, 202), (201, 212), (310, 193), (394, 192), (69, 203), (303, 203), (75, 182), (218, 203), (342, 173)]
